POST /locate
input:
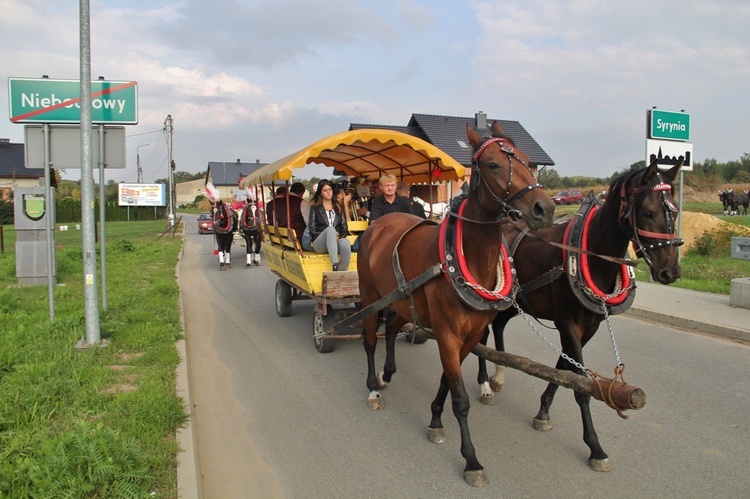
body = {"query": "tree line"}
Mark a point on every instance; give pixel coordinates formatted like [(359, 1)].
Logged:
[(710, 174)]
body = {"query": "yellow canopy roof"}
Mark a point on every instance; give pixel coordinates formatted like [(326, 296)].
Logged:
[(368, 153)]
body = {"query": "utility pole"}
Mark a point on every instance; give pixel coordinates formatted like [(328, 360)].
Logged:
[(170, 167), (138, 162)]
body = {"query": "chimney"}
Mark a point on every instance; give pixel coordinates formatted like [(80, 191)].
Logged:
[(480, 121)]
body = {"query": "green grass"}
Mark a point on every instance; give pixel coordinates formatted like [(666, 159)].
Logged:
[(99, 422)]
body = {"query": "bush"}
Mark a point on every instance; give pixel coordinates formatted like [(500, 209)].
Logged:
[(717, 243)]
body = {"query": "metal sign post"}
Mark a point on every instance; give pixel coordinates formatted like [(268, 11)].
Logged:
[(88, 223)]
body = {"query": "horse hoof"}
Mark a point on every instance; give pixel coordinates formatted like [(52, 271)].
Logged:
[(436, 435), (376, 402), (496, 387), (476, 478), (600, 464), (487, 399), (542, 424)]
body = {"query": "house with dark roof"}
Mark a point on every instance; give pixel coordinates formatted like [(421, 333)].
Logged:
[(225, 176), (13, 171), (448, 133)]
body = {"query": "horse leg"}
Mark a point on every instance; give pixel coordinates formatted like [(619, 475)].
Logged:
[(393, 324), (498, 332), (248, 248), (370, 341), (541, 420), (486, 396), (452, 379)]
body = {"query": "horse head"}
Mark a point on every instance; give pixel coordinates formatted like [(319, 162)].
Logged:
[(648, 213), (223, 217), (504, 181)]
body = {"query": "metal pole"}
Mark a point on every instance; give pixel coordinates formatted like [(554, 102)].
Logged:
[(102, 239), (49, 205), (88, 224), (679, 219), (168, 124), (138, 161)]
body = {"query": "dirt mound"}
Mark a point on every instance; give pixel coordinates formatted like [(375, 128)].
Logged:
[(695, 224)]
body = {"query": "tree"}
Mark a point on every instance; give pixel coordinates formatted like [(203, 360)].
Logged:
[(549, 178)]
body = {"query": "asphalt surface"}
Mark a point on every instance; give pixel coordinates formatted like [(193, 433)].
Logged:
[(703, 313)]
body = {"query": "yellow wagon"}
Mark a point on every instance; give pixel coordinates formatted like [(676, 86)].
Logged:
[(364, 153)]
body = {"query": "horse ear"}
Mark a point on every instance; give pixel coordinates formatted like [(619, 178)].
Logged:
[(473, 136), (497, 130), (671, 174), (651, 170)]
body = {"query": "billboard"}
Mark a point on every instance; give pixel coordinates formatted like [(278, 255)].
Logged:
[(142, 194)]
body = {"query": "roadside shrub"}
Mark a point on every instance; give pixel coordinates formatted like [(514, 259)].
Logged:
[(716, 243), (123, 246)]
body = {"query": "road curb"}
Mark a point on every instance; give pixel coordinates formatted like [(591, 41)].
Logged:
[(189, 484), (689, 324)]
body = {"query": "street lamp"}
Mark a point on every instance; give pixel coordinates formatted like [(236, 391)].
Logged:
[(138, 162)]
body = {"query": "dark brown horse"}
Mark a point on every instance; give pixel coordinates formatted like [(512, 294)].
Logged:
[(570, 288), (225, 225), (502, 184)]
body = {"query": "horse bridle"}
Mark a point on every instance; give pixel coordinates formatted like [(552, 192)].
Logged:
[(507, 210), (627, 213), (223, 213)]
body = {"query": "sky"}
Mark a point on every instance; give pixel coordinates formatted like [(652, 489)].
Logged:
[(260, 79)]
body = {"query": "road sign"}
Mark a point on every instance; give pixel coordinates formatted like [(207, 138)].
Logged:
[(668, 125), (58, 101), (65, 146), (667, 153)]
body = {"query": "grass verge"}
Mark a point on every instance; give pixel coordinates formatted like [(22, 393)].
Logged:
[(101, 422)]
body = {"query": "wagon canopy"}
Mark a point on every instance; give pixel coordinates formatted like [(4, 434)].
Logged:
[(368, 153)]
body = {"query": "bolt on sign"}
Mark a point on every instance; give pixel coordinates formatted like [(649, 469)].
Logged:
[(59, 101)]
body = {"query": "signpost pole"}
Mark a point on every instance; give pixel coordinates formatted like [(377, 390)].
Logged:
[(88, 224), (102, 239), (49, 205)]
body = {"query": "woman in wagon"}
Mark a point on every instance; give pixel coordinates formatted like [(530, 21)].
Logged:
[(327, 228)]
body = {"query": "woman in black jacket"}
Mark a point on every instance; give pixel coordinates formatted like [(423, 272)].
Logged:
[(327, 229)]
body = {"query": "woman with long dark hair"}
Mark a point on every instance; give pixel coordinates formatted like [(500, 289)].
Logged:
[(327, 228)]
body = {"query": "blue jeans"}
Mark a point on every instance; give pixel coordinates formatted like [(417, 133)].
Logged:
[(340, 251)]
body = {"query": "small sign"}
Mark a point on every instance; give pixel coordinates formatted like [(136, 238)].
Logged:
[(668, 125), (667, 153), (33, 206), (59, 101), (65, 146), (141, 194)]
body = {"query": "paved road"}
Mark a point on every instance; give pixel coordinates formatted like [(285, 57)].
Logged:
[(274, 418)]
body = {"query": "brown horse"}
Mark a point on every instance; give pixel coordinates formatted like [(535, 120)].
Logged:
[(502, 184), (571, 289)]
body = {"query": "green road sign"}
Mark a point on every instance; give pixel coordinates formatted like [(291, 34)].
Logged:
[(58, 101), (669, 125)]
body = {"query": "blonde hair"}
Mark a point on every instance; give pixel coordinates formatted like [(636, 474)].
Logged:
[(386, 178)]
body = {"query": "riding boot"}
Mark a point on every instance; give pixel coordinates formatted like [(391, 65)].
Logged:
[(227, 259), (249, 260), (257, 259)]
